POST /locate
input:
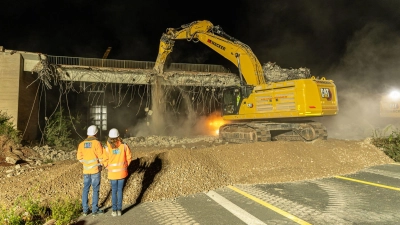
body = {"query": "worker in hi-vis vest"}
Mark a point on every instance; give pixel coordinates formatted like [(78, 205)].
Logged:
[(90, 154), (117, 157)]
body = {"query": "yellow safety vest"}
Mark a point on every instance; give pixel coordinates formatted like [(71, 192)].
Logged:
[(117, 160), (90, 154)]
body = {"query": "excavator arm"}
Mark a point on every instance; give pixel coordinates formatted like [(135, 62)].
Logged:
[(215, 38)]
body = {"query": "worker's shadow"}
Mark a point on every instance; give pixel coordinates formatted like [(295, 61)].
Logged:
[(150, 171)]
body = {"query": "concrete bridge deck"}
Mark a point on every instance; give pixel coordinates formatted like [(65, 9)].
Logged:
[(20, 71), (128, 71)]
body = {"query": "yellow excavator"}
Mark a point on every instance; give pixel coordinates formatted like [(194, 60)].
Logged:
[(258, 109)]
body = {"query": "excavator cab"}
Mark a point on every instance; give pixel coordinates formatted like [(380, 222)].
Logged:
[(233, 97), (231, 101)]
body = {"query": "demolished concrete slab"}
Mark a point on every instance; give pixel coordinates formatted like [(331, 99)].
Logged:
[(211, 76), (145, 76)]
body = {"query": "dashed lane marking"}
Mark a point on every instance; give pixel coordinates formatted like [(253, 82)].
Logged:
[(234, 209), (369, 183), (273, 208)]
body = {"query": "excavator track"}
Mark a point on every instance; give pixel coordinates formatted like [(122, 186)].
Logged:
[(272, 131)]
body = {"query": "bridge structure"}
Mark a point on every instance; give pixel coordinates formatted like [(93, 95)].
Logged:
[(19, 71), (134, 72), (141, 72)]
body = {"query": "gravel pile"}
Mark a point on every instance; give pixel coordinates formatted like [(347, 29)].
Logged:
[(171, 141), (158, 173)]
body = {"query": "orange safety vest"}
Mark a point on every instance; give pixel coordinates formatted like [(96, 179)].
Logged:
[(90, 154), (117, 160)]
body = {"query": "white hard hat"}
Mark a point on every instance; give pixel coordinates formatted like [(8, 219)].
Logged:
[(113, 133), (92, 130)]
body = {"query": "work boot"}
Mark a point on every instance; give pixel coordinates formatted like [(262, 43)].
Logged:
[(99, 212), (119, 213), (114, 213)]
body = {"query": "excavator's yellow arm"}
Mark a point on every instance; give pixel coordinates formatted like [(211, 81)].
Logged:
[(214, 37)]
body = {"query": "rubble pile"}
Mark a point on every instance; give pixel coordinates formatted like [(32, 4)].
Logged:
[(195, 165), (274, 73), (21, 163), (48, 155), (169, 141), (51, 154)]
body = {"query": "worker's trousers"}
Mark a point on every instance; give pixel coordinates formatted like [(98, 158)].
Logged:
[(116, 194), (94, 181)]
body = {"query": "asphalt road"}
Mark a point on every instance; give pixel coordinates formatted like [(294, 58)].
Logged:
[(370, 196)]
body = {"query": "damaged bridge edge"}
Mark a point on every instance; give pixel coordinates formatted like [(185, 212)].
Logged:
[(49, 71), (146, 76)]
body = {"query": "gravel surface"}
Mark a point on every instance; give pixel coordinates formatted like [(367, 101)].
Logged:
[(158, 173)]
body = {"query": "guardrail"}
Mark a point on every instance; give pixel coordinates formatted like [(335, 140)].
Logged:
[(131, 64)]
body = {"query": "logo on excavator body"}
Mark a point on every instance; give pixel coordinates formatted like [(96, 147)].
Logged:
[(326, 93), (216, 44)]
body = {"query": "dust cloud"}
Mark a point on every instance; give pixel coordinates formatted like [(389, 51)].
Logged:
[(357, 49), (177, 113), (369, 69)]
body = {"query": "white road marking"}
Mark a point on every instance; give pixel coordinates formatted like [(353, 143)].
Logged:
[(234, 209)]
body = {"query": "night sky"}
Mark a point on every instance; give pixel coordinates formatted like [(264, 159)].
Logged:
[(355, 43), (312, 33)]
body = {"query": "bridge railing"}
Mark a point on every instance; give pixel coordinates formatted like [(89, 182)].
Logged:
[(131, 64)]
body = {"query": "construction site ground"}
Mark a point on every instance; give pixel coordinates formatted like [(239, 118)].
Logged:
[(370, 196), (159, 178)]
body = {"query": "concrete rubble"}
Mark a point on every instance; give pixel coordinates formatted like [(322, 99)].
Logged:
[(168, 141), (158, 173), (274, 73), (48, 155)]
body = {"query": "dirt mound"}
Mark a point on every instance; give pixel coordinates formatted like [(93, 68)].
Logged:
[(157, 174), (190, 171)]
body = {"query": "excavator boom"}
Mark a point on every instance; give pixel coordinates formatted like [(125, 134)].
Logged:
[(214, 37)]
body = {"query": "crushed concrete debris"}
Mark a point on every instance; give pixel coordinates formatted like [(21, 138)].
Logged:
[(274, 73), (159, 172)]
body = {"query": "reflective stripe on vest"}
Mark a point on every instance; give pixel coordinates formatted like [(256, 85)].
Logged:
[(118, 170), (117, 164), (88, 161), (91, 167)]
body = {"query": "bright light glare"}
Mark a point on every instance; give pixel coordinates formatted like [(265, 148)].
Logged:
[(394, 95), (214, 123)]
